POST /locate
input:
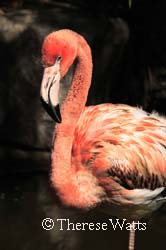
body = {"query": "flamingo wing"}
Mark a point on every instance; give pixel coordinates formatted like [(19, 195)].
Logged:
[(123, 143)]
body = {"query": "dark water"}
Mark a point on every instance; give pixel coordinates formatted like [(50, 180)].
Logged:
[(25, 200)]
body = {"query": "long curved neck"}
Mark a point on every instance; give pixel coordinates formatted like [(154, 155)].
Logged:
[(62, 171), (77, 95)]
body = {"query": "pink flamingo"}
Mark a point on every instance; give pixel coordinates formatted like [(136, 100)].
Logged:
[(108, 156)]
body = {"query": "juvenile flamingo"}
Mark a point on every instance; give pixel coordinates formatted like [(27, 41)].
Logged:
[(108, 156)]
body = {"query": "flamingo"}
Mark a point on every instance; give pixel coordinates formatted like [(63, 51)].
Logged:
[(109, 156)]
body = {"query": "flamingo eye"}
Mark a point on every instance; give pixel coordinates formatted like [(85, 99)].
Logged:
[(44, 65), (58, 59)]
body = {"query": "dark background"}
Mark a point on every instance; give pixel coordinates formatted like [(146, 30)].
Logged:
[(129, 54)]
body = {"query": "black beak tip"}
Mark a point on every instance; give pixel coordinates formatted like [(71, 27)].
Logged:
[(57, 113), (53, 112)]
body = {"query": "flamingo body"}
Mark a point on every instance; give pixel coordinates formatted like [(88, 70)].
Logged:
[(125, 149)]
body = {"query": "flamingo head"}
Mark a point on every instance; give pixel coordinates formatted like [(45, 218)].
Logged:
[(59, 51)]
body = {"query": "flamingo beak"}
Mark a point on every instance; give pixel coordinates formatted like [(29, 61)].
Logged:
[(50, 91)]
